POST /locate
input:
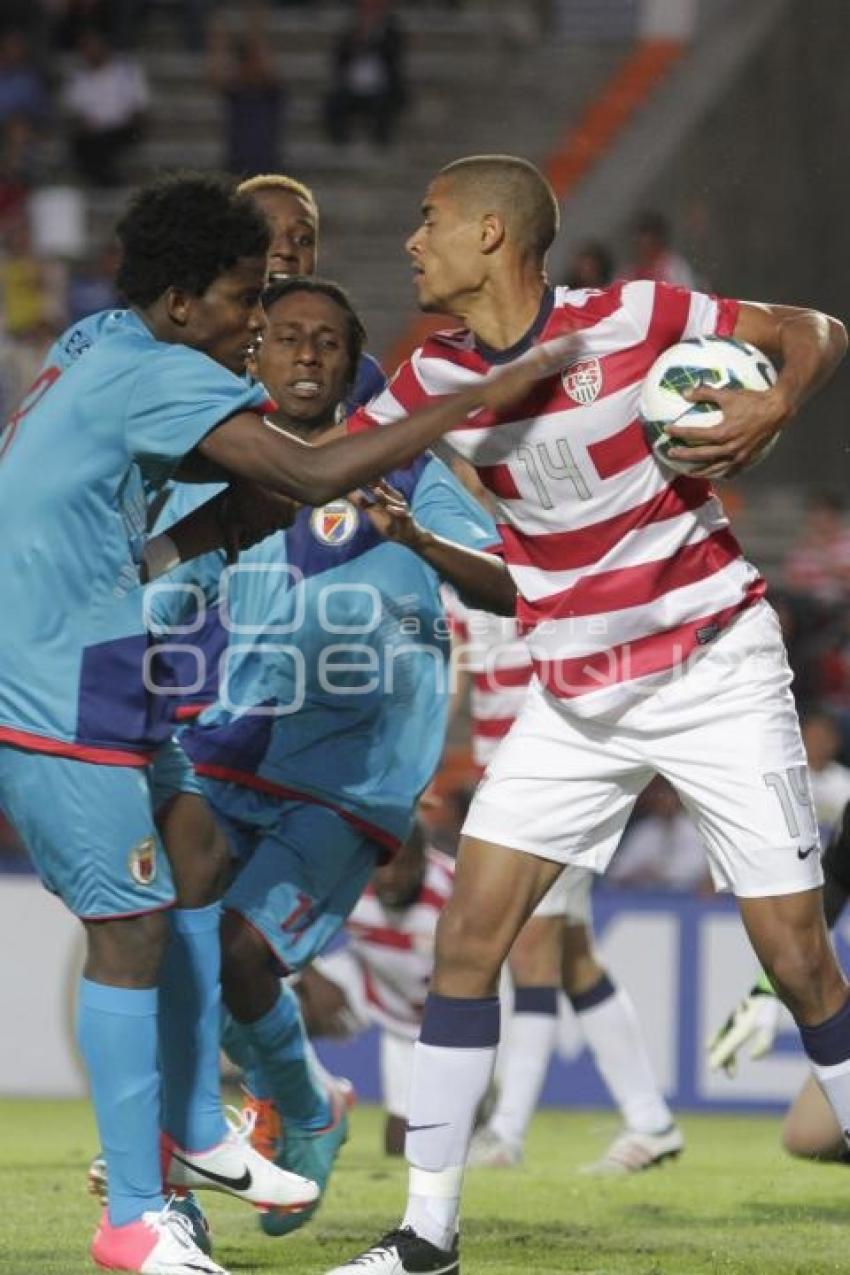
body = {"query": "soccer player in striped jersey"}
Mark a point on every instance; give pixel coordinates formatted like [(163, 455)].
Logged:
[(554, 951), (653, 648)]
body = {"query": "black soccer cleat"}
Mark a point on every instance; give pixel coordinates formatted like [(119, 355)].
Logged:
[(403, 1252)]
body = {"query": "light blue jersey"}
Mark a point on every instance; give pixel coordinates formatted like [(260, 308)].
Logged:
[(334, 677), (93, 438)]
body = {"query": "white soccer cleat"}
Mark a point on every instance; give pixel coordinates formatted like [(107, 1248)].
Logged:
[(235, 1168), (632, 1152), (157, 1244), (488, 1151), (403, 1252)]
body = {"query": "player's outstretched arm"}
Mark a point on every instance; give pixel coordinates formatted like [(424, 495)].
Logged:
[(807, 345), (482, 580), (238, 517), (246, 446)]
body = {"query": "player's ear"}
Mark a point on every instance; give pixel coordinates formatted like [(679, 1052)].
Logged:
[(492, 232), (178, 303)]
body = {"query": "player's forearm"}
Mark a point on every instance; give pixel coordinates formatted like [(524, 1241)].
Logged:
[(483, 581), (807, 344), (346, 463), (813, 345), (197, 533)]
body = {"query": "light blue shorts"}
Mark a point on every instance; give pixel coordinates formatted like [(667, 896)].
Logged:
[(90, 829), (300, 868)]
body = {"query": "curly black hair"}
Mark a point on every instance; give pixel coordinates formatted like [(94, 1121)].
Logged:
[(356, 332), (183, 231)]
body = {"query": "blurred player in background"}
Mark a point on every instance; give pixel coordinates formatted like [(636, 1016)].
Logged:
[(381, 976), (554, 951), (292, 212), (157, 396), (652, 646), (320, 743)]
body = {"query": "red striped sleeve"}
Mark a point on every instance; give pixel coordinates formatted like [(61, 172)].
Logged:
[(671, 307), (728, 311)]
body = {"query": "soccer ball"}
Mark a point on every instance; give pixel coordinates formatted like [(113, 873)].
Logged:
[(705, 360)]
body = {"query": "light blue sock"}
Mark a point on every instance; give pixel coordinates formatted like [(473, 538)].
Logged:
[(244, 1056), (117, 1035), (287, 1062), (189, 1018)]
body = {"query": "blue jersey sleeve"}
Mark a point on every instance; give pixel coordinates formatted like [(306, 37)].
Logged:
[(178, 397), (443, 505), (370, 382), (81, 336)]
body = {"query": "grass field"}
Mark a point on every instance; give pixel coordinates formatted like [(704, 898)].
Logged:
[(733, 1204)]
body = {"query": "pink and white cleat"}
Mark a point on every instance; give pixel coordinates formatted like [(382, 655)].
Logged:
[(157, 1244)]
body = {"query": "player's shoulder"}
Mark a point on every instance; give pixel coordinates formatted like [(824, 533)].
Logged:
[(77, 339), (452, 345)]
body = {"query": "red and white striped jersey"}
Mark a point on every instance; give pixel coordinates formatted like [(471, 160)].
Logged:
[(492, 649), (624, 569), (394, 948)]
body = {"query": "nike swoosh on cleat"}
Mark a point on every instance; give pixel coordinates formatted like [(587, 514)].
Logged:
[(415, 1128), (232, 1184)]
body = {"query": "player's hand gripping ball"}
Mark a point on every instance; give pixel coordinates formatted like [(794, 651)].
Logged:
[(705, 362)]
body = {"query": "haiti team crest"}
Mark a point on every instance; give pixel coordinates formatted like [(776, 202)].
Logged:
[(142, 861), (334, 524), (583, 381)]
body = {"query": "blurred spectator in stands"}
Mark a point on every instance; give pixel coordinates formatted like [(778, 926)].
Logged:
[(592, 266), (23, 94), (661, 848), (21, 168), (653, 255), (241, 66), (106, 97), (369, 83), (819, 565), (90, 285), (830, 779)]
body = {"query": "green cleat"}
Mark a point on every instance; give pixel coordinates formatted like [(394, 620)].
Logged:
[(311, 1153)]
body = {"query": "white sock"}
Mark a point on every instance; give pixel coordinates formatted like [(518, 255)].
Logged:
[(524, 1061), (452, 1065), (612, 1031)]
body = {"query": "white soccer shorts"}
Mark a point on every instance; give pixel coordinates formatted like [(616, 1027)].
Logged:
[(569, 897), (724, 733)]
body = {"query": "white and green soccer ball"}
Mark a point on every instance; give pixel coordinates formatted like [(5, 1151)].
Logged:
[(712, 361)]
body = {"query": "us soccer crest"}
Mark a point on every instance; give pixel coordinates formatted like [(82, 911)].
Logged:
[(142, 861), (583, 381), (334, 524)]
